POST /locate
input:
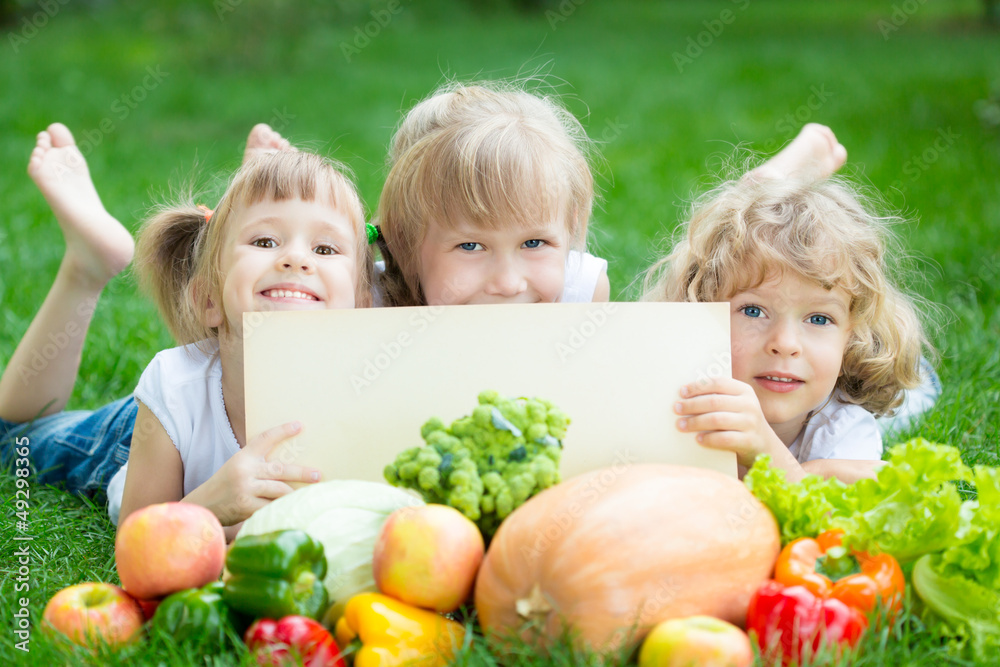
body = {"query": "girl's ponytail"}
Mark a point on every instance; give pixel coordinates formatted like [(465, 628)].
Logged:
[(166, 255), (391, 283)]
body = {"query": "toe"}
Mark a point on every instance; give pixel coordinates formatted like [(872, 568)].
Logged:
[(61, 136), (43, 141)]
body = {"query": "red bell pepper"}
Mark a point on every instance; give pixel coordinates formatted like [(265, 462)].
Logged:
[(294, 640), (826, 569), (792, 624)]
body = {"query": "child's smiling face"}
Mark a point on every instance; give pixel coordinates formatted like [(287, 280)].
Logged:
[(788, 340), (286, 255), (465, 264)]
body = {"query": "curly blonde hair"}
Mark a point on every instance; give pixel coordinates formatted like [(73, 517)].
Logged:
[(492, 154), (179, 254), (745, 230)]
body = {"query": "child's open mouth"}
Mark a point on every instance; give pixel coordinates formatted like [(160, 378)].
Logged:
[(288, 294), (779, 383)]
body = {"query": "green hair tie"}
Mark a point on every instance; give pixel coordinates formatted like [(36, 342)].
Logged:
[(372, 232)]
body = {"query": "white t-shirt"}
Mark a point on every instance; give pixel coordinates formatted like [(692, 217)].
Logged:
[(582, 272), (840, 430), (182, 387)]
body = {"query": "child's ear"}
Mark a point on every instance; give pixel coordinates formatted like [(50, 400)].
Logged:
[(211, 315)]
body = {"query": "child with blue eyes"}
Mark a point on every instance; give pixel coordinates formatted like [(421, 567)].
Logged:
[(288, 234), (487, 200), (822, 341)]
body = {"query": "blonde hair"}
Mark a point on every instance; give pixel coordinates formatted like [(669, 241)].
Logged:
[(743, 231), (179, 254), (490, 154)]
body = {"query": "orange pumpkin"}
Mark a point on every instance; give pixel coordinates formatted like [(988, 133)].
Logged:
[(611, 553)]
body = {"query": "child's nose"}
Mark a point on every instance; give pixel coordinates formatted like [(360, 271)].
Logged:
[(297, 260), (784, 340), (506, 280)]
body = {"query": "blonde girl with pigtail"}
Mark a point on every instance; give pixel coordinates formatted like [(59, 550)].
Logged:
[(823, 340), (288, 234)]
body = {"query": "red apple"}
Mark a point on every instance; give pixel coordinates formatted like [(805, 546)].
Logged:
[(696, 640), (149, 607), (428, 556), (93, 612), (165, 548)]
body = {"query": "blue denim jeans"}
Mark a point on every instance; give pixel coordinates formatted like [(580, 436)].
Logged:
[(80, 448)]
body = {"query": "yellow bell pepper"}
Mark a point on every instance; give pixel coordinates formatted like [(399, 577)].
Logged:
[(395, 633)]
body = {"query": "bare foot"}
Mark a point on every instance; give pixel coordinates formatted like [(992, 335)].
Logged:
[(814, 154), (264, 140), (98, 247)]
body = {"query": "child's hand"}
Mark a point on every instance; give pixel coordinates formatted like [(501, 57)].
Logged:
[(248, 481), (727, 415)]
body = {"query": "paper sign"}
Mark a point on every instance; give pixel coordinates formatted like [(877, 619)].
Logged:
[(363, 382)]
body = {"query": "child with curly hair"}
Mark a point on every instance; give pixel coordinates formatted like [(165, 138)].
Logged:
[(823, 341)]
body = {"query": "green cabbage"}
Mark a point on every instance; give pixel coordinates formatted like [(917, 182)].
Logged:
[(346, 516)]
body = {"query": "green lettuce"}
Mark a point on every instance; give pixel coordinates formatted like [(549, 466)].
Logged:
[(960, 586), (802, 509), (914, 506), (958, 608)]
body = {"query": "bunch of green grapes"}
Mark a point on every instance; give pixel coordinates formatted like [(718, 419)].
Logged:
[(488, 463)]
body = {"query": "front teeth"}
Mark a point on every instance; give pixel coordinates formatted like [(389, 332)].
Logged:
[(289, 294), (770, 377)]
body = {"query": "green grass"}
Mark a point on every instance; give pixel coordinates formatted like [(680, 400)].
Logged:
[(777, 64)]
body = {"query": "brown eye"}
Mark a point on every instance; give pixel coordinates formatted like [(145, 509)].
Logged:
[(263, 243)]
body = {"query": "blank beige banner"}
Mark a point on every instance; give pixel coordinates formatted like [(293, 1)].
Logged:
[(363, 382)]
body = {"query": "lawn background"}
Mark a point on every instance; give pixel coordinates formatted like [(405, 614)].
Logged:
[(158, 94)]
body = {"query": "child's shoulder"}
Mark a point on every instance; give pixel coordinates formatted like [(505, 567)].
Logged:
[(194, 361)]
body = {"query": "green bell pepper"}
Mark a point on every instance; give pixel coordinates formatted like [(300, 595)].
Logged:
[(276, 575), (196, 613)]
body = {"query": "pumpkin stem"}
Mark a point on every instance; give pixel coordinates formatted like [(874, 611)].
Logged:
[(535, 607)]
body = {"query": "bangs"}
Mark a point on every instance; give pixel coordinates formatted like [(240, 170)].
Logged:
[(826, 265), (495, 174), (809, 240), (294, 175)]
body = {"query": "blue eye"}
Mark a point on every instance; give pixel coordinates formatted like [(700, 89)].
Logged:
[(533, 243), (751, 311), (821, 320), (468, 246)]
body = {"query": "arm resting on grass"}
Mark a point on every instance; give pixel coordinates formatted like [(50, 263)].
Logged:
[(847, 471)]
